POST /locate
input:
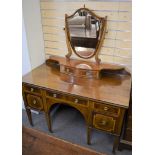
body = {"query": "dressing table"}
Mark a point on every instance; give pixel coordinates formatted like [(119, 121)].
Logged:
[(99, 91)]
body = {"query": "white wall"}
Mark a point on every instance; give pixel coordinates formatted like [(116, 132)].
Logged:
[(34, 34), (26, 65), (32, 37)]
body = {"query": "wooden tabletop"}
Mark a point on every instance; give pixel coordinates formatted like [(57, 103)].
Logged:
[(112, 89)]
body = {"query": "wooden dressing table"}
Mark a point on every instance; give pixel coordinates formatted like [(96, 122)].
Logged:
[(102, 101), (99, 91)]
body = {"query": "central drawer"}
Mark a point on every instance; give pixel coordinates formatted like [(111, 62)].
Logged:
[(105, 123), (76, 100), (54, 94), (66, 70), (67, 98), (79, 72)]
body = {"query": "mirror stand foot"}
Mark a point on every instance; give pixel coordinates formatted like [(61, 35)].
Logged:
[(98, 61)]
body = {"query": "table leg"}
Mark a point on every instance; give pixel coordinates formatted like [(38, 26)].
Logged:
[(116, 142), (48, 119), (28, 111), (88, 135)]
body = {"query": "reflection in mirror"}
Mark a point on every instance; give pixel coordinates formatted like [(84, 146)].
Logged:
[(84, 33)]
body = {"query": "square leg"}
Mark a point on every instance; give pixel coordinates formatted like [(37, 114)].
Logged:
[(115, 145), (88, 134), (28, 111), (48, 119)]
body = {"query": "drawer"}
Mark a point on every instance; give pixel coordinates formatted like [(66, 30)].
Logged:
[(76, 100), (34, 102), (110, 110), (66, 70), (86, 73), (105, 123), (32, 89), (54, 94), (77, 72)]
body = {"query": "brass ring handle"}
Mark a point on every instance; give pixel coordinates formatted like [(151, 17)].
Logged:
[(76, 100), (103, 122), (54, 95), (105, 108), (32, 89), (67, 70), (34, 101)]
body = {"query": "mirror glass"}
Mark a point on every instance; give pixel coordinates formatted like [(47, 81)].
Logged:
[(83, 33)]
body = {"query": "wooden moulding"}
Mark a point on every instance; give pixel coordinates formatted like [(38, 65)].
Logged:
[(102, 32)]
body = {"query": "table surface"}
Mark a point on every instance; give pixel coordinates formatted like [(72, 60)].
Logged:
[(114, 90)]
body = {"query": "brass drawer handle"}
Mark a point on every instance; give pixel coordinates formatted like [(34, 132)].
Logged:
[(32, 89), (55, 95), (105, 108), (34, 101), (103, 122), (76, 100)]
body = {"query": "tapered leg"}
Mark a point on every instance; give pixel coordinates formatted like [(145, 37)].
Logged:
[(28, 111), (88, 134), (116, 142), (48, 119)]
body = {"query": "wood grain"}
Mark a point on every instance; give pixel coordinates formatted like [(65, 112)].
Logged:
[(114, 90), (36, 142)]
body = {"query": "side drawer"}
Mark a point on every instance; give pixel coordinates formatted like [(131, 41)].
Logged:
[(105, 123), (32, 89), (107, 109), (34, 102)]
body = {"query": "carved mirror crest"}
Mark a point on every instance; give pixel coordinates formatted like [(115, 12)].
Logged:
[(85, 33)]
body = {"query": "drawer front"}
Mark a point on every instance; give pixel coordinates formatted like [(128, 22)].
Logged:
[(86, 73), (34, 102), (67, 98), (66, 70), (77, 72), (76, 100), (107, 109), (54, 94), (32, 89), (105, 123)]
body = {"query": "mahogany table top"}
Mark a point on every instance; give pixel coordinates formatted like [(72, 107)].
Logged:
[(112, 89)]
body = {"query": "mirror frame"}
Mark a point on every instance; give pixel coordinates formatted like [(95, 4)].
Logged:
[(102, 32)]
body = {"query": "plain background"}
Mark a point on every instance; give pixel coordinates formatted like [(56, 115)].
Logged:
[(143, 77)]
